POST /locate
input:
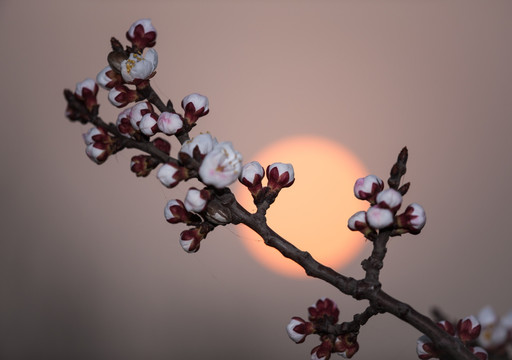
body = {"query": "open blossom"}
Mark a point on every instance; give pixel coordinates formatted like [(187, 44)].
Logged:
[(202, 144), (142, 34), (221, 166), (280, 175), (368, 187), (169, 123), (195, 106), (495, 330), (139, 66)]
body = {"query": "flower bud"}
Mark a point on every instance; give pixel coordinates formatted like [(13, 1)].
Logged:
[(120, 96), (171, 174), (468, 329), (148, 124), (346, 345), (298, 329), (86, 91), (108, 78), (195, 106), (123, 123), (324, 310), (139, 67), (197, 147), (368, 187), (169, 123), (425, 348), (389, 199), (221, 166), (175, 212), (97, 152), (357, 222), (251, 176), (142, 165), (138, 111), (322, 351), (379, 218), (479, 352), (162, 145), (447, 326), (280, 176), (190, 239), (96, 135), (142, 34), (196, 200), (413, 219)]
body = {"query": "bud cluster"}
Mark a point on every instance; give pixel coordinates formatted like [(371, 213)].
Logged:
[(279, 176), (467, 330), (323, 318), (382, 214)]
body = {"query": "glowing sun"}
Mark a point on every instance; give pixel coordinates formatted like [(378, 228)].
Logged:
[(312, 214)]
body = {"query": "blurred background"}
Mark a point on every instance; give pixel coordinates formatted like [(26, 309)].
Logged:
[(89, 269)]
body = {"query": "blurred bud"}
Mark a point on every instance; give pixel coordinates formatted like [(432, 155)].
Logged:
[(468, 328), (142, 34), (447, 326), (479, 352), (425, 348), (169, 123), (280, 176), (298, 329), (221, 166), (195, 106), (379, 218), (346, 345), (142, 165), (162, 145), (322, 351), (368, 187)]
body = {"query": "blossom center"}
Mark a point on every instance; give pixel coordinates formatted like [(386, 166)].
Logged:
[(131, 62)]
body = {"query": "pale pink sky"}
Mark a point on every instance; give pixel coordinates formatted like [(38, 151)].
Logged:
[(89, 269)]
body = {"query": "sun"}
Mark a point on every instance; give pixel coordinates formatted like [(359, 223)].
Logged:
[(312, 214)]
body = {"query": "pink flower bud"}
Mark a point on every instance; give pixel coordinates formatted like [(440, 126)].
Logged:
[(171, 174), (108, 78), (468, 328), (162, 145), (139, 66), (425, 349), (123, 123), (169, 123), (196, 200), (298, 329), (389, 199), (280, 176), (138, 111), (322, 351), (447, 326), (198, 147), (195, 106), (221, 166), (142, 34), (175, 212), (368, 187), (479, 352), (346, 345), (120, 96), (148, 124), (379, 218), (191, 239), (324, 310), (86, 91)]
